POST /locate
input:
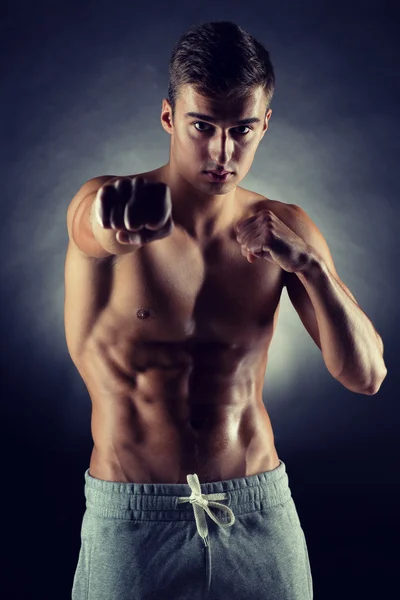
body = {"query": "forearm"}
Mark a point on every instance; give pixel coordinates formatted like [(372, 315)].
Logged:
[(350, 345)]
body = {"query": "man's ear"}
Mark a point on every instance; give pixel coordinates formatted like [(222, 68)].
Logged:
[(166, 116)]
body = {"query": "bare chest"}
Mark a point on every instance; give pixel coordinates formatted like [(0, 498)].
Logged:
[(172, 289)]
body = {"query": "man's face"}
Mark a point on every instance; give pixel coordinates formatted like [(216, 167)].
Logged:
[(200, 144)]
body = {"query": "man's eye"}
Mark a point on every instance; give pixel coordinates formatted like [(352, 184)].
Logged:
[(244, 127), (199, 123), (206, 124)]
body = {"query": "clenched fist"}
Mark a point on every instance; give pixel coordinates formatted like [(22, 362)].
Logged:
[(137, 209)]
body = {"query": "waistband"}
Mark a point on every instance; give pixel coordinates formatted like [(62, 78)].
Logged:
[(171, 501)]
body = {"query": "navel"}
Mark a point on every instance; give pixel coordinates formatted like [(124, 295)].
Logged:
[(195, 423)]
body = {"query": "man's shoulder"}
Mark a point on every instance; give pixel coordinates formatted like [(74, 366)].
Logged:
[(256, 202)]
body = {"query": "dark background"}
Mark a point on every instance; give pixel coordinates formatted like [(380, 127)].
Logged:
[(81, 89)]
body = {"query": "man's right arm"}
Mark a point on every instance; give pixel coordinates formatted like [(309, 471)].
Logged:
[(84, 231)]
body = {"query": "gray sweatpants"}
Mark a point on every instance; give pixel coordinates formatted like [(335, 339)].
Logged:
[(236, 539)]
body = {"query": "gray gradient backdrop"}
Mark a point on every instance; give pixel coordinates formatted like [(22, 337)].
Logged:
[(81, 93)]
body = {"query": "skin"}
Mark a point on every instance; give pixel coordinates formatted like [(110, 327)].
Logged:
[(172, 341)]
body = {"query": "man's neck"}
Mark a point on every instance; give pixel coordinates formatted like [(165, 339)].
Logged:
[(202, 216)]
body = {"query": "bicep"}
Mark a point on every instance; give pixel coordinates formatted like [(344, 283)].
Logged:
[(78, 218)]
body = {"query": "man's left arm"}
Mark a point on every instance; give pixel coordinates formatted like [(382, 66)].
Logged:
[(351, 347)]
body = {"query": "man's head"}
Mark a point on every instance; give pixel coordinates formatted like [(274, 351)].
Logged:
[(217, 70)]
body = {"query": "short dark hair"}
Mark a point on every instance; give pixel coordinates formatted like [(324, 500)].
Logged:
[(220, 58)]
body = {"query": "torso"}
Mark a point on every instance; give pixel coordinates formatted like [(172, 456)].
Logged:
[(172, 343)]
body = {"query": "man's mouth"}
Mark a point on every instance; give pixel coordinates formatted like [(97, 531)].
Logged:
[(218, 177)]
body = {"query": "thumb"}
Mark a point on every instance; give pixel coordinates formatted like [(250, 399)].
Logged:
[(251, 257)]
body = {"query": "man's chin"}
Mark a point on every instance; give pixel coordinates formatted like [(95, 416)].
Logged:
[(214, 189)]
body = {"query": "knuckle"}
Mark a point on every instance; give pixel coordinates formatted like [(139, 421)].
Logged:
[(112, 219), (123, 184), (116, 220), (266, 215), (126, 216)]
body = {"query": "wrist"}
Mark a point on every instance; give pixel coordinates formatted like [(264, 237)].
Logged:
[(314, 266)]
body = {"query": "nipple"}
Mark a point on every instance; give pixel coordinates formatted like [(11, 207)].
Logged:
[(143, 313)]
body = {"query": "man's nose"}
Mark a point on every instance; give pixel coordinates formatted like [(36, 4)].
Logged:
[(222, 149)]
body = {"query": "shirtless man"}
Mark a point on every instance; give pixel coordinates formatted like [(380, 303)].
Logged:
[(170, 331)]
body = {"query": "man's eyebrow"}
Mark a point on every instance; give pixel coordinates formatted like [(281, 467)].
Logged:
[(214, 120)]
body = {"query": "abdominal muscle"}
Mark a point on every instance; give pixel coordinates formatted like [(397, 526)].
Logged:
[(148, 439)]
